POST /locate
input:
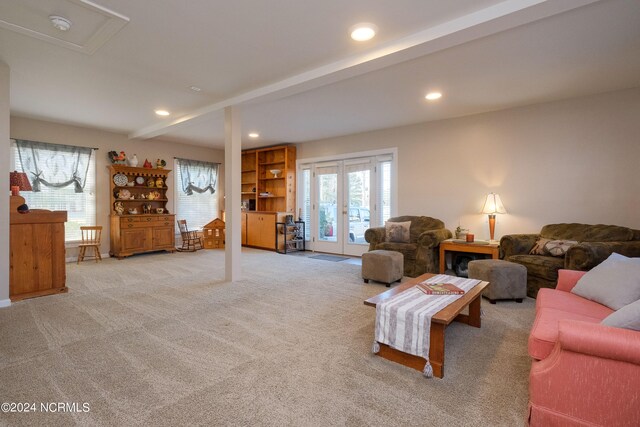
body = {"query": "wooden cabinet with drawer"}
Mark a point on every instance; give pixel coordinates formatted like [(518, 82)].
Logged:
[(142, 233)]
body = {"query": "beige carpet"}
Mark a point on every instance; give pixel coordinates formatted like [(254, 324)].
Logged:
[(161, 340)]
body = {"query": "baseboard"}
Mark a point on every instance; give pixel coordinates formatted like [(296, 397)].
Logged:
[(75, 258), (5, 303)]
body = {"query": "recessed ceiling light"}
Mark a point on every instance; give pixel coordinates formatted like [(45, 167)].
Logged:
[(195, 88), (254, 135), (61, 23), (432, 96), (162, 112), (363, 32)]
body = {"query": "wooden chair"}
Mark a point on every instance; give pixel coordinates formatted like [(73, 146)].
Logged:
[(90, 239), (191, 242)]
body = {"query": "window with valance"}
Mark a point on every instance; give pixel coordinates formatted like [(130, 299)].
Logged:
[(63, 177), (196, 186)]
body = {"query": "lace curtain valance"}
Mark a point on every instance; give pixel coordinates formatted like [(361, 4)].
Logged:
[(54, 165), (198, 176)]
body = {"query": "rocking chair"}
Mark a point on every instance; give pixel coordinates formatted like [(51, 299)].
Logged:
[(191, 242)]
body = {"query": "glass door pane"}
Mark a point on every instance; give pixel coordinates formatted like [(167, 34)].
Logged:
[(358, 207), (328, 195), (384, 191), (305, 202)]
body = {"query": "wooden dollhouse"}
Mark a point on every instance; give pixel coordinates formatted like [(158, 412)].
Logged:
[(213, 234)]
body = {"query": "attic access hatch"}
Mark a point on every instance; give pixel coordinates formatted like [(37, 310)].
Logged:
[(93, 25)]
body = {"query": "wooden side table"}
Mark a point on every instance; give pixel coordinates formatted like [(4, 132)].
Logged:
[(451, 245)]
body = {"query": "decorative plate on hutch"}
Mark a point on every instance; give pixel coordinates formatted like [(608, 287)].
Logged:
[(140, 180), (120, 179)]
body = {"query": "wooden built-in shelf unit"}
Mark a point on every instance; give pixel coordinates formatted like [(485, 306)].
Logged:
[(257, 179)]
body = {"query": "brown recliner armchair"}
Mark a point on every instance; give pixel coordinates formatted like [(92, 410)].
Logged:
[(421, 253), (595, 244)]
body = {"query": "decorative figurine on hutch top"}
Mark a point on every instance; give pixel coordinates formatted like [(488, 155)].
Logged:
[(117, 158)]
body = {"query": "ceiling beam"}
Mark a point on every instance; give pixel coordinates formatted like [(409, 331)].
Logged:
[(491, 20)]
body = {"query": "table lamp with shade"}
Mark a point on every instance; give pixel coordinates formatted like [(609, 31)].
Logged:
[(492, 206), (18, 181)]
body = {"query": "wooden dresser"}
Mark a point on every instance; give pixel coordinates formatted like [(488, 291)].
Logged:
[(37, 259)]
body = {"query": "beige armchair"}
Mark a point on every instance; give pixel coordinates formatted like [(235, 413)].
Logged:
[(421, 253)]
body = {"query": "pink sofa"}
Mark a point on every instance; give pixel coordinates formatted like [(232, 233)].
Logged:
[(583, 373)]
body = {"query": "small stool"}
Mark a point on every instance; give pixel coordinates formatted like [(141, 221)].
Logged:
[(382, 266), (508, 280)]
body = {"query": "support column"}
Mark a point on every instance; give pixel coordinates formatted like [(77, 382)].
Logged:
[(4, 194), (232, 189)]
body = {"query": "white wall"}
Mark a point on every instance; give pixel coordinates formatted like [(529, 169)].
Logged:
[(568, 161), (4, 195), (38, 130)]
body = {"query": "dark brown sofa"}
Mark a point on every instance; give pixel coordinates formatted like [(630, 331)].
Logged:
[(421, 253), (596, 243)]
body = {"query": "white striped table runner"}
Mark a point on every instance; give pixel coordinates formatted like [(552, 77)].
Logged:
[(403, 322)]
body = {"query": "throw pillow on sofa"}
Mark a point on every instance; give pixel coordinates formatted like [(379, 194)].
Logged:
[(538, 248), (398, 232), (615, 282), (558, 247), (628, 317)]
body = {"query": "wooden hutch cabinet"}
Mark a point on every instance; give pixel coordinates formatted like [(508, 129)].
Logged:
[(140, 221), (268, 192)]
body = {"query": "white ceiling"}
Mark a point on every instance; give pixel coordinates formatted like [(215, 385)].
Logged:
[(295, 73)]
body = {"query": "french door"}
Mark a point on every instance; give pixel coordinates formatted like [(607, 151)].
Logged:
[(342, 199), (327, 209), (358, 204)]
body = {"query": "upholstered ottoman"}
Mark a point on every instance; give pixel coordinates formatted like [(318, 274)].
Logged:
[(382, 266), (508, 280)]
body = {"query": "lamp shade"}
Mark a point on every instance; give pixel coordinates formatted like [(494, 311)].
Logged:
[(19, 179), (493, 205)]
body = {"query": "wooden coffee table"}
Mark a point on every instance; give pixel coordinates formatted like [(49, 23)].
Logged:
[(439, 322)]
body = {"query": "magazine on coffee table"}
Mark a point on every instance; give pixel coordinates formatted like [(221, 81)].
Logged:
[(439, 288)]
